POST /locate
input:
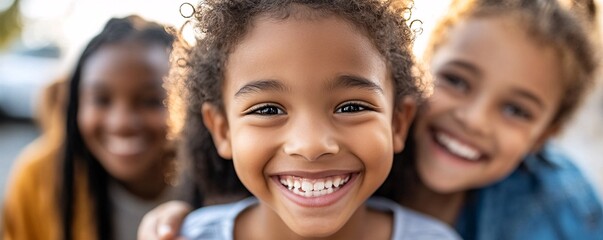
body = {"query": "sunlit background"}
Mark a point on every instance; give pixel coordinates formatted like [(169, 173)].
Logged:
[(52, 34)]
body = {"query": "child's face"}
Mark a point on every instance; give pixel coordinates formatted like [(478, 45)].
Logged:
[(495, 94), (121, 115), (309, 120)]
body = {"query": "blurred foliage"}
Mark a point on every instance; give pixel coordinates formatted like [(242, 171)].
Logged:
[(10, 24)]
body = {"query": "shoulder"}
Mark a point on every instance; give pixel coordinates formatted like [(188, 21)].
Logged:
[(559, 181), (214, 222), (409, 224), (32, 178), (35, 168), (547, 192)]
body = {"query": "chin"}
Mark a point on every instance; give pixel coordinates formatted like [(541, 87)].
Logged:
[(442, 185), (125, 175), (308, 233), (315, 231)]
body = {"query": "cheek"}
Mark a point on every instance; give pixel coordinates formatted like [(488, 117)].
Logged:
[(514, 145), (157, 122), (251, 143), (252, 149), (439, 104), (88, 121), (372, 143)]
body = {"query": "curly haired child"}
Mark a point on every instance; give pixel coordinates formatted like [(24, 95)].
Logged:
[(302, 105)]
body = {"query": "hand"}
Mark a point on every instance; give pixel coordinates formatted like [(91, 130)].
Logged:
[(164, 221)]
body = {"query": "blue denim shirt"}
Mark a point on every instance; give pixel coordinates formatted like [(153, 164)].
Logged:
[(545, 198)]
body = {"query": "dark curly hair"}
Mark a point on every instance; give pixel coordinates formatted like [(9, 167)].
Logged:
[(77, 157), (220, 25)]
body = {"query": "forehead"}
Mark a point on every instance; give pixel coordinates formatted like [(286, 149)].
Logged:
[(312, 50), (125, 63), (502, 51)]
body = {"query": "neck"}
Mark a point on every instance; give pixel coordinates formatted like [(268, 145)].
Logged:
[(363, 224), (444, 206), (149, 185)]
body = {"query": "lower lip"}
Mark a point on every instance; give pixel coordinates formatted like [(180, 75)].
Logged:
[(126, 156), (127, 159), (443, 153), (316, 202)]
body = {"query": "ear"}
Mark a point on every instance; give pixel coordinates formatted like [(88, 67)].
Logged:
[(217, 125), (403, 116), (546, 135)]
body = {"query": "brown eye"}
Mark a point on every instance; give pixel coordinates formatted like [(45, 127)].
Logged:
[(101, 100), (516, 111), (352, 108), (153, 102), (455, 82), (266, 110)]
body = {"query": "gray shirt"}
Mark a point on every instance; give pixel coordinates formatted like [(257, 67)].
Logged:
[(217, 222), (129, 209)]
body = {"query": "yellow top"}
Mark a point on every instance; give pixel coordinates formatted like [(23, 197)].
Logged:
[(30, 209)]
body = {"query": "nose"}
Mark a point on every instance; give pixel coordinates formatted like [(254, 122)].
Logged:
[(311, 139), (122, 120), (474, 116)]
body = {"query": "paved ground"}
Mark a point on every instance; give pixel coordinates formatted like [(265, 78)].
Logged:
[(14, 135)]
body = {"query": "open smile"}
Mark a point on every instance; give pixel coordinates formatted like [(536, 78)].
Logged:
[(315, 192), (126, 146), (314, 187), (457, 147)]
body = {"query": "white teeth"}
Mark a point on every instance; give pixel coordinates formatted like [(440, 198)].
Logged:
[(319, 186), (329, 183), (457, 147), (313, 187), (307, 186), (336, 181), (126, 145), (289, 183)]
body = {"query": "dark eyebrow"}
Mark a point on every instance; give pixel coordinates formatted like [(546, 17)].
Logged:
[(99, 84), (466, 66), (347, 81), (261, 85), (529, 96)]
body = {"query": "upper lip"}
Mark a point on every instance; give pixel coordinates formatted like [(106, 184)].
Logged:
[(314, 174)]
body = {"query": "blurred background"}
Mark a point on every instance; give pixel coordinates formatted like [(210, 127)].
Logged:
[(40, 41)]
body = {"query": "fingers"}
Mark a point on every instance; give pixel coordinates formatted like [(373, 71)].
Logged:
[(146, 229), (164, 221), (165, 232), (170, 222)]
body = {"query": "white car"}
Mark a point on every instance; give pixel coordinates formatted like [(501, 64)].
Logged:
[(23, 75)]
